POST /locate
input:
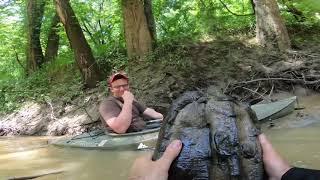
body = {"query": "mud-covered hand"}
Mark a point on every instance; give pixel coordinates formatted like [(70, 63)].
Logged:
[(274, 165), (146, 169)]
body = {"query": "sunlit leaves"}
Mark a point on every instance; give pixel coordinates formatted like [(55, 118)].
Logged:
[(176, 19), (12, 47), (101, 21), (311, 5)]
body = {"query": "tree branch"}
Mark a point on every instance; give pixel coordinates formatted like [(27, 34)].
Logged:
[(225, 6), (88, 31), (18, 60), (280, 79)]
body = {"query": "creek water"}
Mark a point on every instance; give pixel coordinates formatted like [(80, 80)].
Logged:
[(295, 137)]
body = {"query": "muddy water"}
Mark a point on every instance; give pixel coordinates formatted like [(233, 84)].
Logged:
[(296, 137), (31, 156)]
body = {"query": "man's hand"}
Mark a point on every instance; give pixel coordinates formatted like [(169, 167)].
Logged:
[(146, 169), (128, 97), (152, 114), (274, 165)]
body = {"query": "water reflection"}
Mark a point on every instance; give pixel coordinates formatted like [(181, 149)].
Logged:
[(25, 156)]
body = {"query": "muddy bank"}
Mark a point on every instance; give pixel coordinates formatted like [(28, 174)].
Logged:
[(55, 117), (242, 70), (82, 116)]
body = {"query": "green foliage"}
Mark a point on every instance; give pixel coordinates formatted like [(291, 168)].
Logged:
[(13, 43), (172, 54), (310, 10), (309, 5), (57, 80), (216, 18), (176, 19), (116, 60), (102, 25)]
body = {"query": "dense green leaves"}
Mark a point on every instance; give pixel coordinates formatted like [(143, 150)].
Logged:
[(101, 21), (13, 41)]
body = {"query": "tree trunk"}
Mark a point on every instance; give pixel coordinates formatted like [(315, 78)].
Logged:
[(53, 40), (271, 31), (80, 46), (137, 34), (150, 20), (35, 10)]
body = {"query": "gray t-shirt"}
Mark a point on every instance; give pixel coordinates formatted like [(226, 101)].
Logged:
[(112, 106)]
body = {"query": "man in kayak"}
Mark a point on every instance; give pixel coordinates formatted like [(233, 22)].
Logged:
[(120, 112)]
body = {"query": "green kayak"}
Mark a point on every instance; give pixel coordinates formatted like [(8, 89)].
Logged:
[(100, 140), (274, 110)]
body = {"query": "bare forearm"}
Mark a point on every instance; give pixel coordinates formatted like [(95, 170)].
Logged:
[(124, 119)]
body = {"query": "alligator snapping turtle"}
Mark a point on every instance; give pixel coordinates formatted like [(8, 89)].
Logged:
[(219, 138)]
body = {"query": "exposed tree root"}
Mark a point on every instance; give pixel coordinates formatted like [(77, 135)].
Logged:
[(298, 70)]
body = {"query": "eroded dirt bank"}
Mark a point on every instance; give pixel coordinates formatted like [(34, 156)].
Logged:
[(249, 73)]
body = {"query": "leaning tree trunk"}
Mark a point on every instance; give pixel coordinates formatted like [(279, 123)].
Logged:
[(80, 46), (53, 40), (35, 10), (271, 31), (137, 34)]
